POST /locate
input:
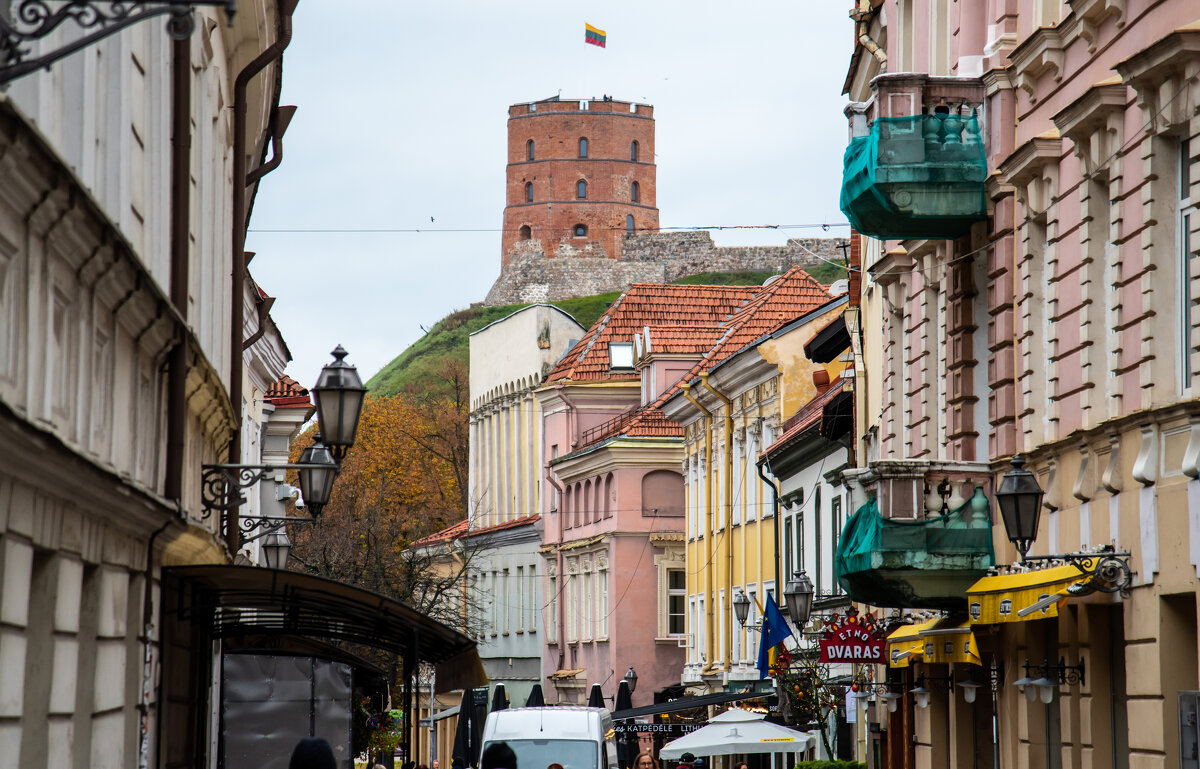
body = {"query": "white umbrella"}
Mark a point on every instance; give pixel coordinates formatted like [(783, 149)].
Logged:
[(737, 731)]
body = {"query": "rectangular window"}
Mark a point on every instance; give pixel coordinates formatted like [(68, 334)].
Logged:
[(587, 631), (520, 591), (692, 624), (788, 563), (819, 576), (505, 596), (676, 595), (551, 622), (836, 509), (1187, 272), (722, 625), (572, 598), (752, 619), (602, 614)]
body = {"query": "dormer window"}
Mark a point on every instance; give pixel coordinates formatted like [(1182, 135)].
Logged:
[(620, 355)]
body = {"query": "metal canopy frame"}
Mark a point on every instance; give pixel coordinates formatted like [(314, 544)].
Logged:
[(238, 601)]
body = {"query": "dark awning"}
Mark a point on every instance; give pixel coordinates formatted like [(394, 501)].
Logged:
[(829, 342), (239, 601), (686, 703)]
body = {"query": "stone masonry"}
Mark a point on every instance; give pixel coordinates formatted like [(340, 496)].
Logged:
[(659, 257)]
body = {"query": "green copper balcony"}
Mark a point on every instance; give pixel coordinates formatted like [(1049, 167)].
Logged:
[(924, 563), (915, 167)]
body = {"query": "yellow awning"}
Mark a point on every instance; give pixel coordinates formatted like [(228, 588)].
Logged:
[(1027, 596), (905, 645), (951, 643)]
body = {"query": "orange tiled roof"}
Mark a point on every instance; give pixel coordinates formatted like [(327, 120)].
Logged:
[(703, 309), (448, 534), (753, 312), (287, 392), (514, 523)]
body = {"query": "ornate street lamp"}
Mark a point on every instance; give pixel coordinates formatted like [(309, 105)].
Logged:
[(1020, 500), (339, 394), (317, 473), (741, 607), (631, 679), (275, 548), (799, 597)]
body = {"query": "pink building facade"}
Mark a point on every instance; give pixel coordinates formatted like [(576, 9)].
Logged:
[(1030, 280)]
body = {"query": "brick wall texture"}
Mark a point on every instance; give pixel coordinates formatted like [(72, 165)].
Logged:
[(528, 275)]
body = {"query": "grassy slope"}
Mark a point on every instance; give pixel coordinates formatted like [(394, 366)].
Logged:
[(448, 337)]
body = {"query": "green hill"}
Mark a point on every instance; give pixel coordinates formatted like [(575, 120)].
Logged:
[(448, 337)]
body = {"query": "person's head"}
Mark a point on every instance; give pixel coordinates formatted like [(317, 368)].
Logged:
[(498, 756), (687, 758), (645, 760), (741, 765), (434, 764), (312, 753), (555, 765), (698, 763)]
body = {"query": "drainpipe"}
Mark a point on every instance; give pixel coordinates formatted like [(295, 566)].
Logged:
[(177, 360), (238, 285), (728, 503), (766, 463), (862, 17), (572, 416), (148, 657), (708, 543), (561, 619), (853, 320)]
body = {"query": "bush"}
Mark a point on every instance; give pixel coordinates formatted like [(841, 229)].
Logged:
[(831, 765)]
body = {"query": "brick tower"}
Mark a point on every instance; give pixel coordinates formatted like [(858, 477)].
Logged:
[(581, 175)]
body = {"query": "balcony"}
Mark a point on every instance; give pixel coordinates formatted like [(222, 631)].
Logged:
[(915, 167), (921, 536)]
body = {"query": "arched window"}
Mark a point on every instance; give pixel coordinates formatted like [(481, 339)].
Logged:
[(581, 230), (629, 224), (583, 148), (581, 189), (529, 149), (633, 150), (525, 233), (528, 192), (635, 192)]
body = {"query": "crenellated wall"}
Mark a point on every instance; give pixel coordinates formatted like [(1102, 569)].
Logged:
[(659, 257)]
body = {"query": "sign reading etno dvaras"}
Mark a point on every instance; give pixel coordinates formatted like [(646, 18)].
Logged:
[(852, 638)]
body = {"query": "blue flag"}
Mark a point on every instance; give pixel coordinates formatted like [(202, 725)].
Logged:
[(774, 630)]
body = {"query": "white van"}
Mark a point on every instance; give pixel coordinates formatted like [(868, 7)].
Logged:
[(576, 737)]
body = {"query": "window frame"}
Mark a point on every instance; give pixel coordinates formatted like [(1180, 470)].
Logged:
[(581, 189), (630, 227), (579, 231), (633, 151), (583, 147), (635, 192), (528, 192), (530, 153)]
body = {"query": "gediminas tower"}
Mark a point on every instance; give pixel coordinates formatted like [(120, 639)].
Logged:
[(580, 175)]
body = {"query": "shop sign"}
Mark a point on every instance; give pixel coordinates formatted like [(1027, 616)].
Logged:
[(852, 638), (629, 727)]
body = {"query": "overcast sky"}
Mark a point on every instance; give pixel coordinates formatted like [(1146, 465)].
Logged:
[(403, 119)]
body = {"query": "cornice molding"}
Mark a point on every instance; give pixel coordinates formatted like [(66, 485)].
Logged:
[(1041, 53), (1094, 123), (1160, 73)]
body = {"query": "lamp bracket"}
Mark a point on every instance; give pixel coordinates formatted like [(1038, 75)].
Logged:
[(1106, 570), (1064, 674), (31, 21), (267, 525), (221, 485)]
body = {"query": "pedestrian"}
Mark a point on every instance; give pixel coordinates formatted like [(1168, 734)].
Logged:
[(686, 761), (498, 756), (645, 760), (698, 763), (434, 765), (741, 765), (312, 753)]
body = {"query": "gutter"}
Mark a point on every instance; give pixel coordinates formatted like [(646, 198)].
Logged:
[(862, 16), (561, 619), (177, 358), (708, 543), (728, 503), (238, 285), (774, 484)]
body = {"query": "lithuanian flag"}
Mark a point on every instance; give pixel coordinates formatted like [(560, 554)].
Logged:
[(594, 36)]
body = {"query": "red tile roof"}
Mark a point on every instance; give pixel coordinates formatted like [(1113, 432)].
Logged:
[(676, 313), (448, 534), (514, 523), (287, 393)]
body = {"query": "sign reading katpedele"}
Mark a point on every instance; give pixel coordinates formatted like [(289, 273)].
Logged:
[(852, 638)]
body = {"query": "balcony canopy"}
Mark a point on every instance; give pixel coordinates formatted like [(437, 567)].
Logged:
[(918, 563)]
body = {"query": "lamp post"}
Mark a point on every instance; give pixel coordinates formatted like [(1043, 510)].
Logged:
[(275, 548), (1020, 501), (798, 594), (339, 396), (631, 679), (741, 607)]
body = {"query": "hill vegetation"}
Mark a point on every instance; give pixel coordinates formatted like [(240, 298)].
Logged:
[(412, 370)]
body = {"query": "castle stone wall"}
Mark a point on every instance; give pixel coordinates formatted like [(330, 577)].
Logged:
[(659, 257)]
